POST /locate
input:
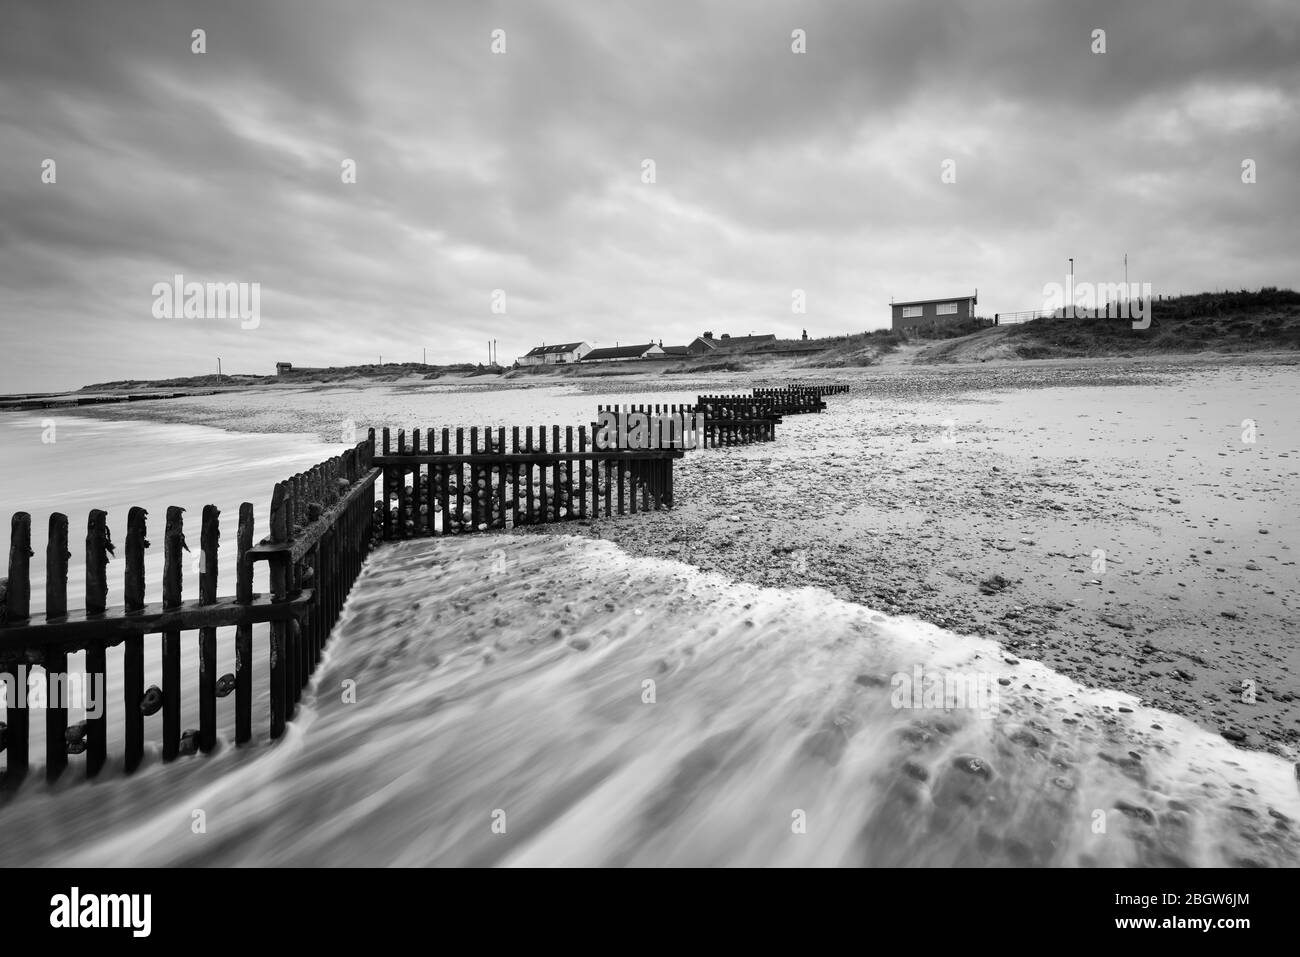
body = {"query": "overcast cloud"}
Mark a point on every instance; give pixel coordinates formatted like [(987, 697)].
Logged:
[(523, 171)]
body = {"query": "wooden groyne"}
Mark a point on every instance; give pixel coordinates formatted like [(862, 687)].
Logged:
[(323, 523), (18, 403), (822, 389), (318, 538), (793, 401), (542, 475), (726, 422)]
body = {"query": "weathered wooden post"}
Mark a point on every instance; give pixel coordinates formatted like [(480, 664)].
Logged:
[(56, 659), (173, 570), (279, 592), (18, 609), (244, 632), (133, 646), (210, 539), (98, 548)]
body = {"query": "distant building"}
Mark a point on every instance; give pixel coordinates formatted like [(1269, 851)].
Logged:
[(624, 353), (281, 368), (737, 343), (556, 354), (707, 345), (677, 350), (930, 313)]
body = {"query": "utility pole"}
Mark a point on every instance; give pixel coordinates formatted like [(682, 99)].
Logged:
[(1072, 287), (218, 368), (424, 356)]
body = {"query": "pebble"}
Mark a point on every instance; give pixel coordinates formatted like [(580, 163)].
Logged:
[(973, 764)]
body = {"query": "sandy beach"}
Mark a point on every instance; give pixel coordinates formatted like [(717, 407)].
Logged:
[(1109, 545), (977, 498), (1111, 518)]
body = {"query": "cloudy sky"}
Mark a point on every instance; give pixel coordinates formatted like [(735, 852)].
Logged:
[(523, 171)]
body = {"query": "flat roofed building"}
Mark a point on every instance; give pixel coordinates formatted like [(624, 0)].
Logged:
[(928, 313)]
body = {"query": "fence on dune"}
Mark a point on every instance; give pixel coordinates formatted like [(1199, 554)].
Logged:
[(318, 538)]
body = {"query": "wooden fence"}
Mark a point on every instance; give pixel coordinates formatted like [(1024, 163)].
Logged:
[(319, 537), (323, 523), (793, 401), (22, 402), (725, 422), (452, 490), (821, 389)]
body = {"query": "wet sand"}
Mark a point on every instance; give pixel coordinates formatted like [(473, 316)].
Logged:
[(558, 703), (1105, 518), (975, 497)]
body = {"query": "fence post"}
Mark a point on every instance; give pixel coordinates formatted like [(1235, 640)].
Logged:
[(18, 608), (173, 545), (98, 548), (244, 632), (210, 537), (133, 647), (56, 659), (279, 591)]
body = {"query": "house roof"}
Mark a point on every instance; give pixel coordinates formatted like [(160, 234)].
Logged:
[(711, 343), (733, 342), (617, 352), (926, 302), (676, 350), (551, 350)]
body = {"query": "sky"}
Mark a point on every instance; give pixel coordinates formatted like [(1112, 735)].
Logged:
[(914, 149)]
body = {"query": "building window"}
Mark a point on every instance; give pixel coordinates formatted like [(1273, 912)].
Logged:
[(913, 312), (947, 309)]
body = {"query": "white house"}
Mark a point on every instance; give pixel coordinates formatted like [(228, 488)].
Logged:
[(553, 355)]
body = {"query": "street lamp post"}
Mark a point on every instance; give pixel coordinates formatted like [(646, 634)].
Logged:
[(1072, 287)]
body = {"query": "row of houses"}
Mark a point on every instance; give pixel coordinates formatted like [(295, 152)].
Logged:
[(910, 315), (569, 352)]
